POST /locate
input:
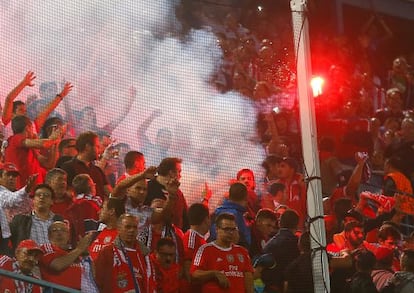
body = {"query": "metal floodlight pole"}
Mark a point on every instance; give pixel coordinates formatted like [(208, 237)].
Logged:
[(320, 264)]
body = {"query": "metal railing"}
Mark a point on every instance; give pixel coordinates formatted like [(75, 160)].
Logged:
[(47, 286)]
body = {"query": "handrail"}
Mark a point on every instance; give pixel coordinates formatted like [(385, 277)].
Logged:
[(42, 283)]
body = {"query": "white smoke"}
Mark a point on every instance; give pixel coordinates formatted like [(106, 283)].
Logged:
[(104, 47)]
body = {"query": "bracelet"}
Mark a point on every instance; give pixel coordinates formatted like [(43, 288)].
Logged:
[(59, 95)]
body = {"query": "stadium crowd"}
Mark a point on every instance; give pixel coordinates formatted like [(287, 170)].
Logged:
[(82, 211)]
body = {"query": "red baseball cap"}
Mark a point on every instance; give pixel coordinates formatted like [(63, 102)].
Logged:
[(9, 167), (29, 244)]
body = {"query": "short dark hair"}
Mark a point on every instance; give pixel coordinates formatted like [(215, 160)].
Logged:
[(46, 186), (352, 225), (47, 126), (80, 183), (266, 214), (50, 228), (116, 204), (167, 165), (17, 104), (84, 139), (238, 192), (125, 216), (54, 172), (19, 124), (197, 213), (64, 143), (289, 219), (131, 157), (387, 230), (166, 241), (224, 216), (364, 260)]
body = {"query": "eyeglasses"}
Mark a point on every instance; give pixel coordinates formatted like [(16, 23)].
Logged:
[(229, 229)]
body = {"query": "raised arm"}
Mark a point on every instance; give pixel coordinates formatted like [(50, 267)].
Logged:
[(63, 262), (8, 104), (42, 117), (143, 139), (120, 189), (48, 161), (112, 125), (355, 179)]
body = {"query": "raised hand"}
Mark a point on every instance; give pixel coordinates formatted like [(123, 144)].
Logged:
[(29, 78), (67, 88), (149, 173), (172, 186), (31, 182), (85, 241), (207, 193)]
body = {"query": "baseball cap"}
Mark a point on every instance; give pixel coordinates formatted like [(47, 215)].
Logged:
[(9, 167), (29, 244)]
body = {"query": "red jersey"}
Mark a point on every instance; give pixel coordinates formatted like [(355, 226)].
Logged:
[(25, 159), (60, 208), (192, 242), (113, 272), (10, 285), (233, 262), (104, 238), (167, 280), (70, 277), (296, 197)]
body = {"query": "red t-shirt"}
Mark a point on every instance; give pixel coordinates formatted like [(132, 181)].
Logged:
[(234, 262), (70, 277), (60, 208), (10, 285), (192, 242), (25, 159), (105, 237), (167, 280)]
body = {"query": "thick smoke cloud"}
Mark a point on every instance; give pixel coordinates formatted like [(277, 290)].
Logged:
[(104, 47)]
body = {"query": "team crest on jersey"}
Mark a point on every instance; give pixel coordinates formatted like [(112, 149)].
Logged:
[(240, 257), (121, 280), (107, 239), (230, 258)]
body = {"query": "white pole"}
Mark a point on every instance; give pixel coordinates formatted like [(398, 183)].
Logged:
[(309, 143)]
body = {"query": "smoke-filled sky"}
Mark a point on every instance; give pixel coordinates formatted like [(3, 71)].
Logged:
[(104, 48)]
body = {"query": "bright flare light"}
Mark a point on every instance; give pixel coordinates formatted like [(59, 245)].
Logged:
[(316, 84)]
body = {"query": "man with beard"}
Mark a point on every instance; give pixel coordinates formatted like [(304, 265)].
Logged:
[(169, 170), (88, 144)]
